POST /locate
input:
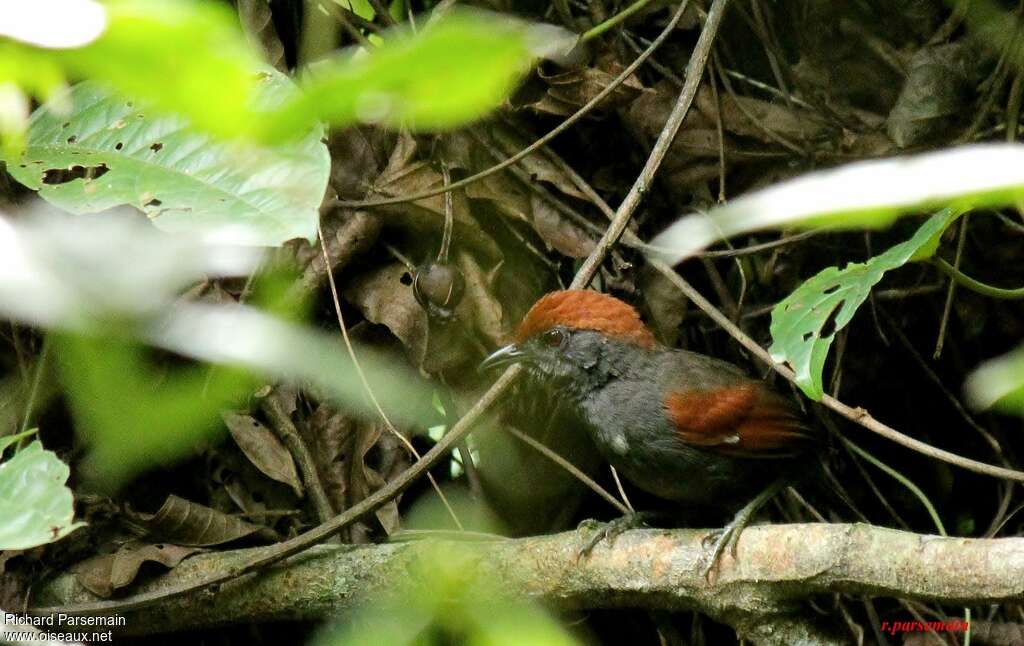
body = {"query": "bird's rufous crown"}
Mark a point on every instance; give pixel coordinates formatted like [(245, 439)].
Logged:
[(585, 310)]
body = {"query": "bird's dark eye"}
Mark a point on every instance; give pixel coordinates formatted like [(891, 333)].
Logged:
[(553, 338)]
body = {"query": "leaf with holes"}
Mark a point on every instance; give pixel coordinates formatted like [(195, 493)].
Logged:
[(805, 322), (108, 152), (36, 506)]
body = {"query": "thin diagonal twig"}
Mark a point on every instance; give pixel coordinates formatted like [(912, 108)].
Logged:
[(366, 384)]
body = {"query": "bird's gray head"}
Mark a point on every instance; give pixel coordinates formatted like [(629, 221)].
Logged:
[(574, 338)]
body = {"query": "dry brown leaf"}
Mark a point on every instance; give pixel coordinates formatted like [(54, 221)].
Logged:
[(537, 165), (427, 216), (358, 155), (792, 123), (577, 87), (263, 449), (666, 307), (187, 523), (104, 574), (329, 436), (936, 96), (483, 309), (384, 296), (558, 231), (362, 480)]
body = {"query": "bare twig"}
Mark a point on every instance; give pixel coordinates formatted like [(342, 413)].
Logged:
[(284, 428), (366, 384), (951, 291)]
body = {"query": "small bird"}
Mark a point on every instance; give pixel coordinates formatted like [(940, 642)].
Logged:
[(682, 426)]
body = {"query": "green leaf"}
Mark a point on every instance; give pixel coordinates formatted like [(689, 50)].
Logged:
[(998, 384), (132, 416), (185, 57), (181, 56), (455, 70), (108, 151), (805, 323), (8, 440), (861, 194), (35, 505)]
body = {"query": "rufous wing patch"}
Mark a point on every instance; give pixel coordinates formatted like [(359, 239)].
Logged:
[(583, 309), (745, 419)]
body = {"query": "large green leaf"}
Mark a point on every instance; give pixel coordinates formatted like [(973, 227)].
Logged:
[(805, 323), (861, 194), (455, 70), (185, 57), (35, 506), (188, 57), (108, 151)]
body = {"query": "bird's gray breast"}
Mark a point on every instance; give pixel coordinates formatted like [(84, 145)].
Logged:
[(627, 421)]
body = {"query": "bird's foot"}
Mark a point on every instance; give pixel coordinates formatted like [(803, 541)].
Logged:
[(720, 539), (609, 531), (729, 535)]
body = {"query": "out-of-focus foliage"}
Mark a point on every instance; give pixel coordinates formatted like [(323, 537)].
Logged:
[(94, 148), (60, 273), (442, 597), (452, 71), (133, 415), (999, 384), (106, 151), (831, 298), (861, 194), (35, 505), (187, 57), (180, 56)]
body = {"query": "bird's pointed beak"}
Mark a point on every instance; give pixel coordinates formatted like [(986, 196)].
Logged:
[(502, 357)]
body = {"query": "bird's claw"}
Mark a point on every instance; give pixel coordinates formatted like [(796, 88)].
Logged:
[(719, 539), (606, 531)]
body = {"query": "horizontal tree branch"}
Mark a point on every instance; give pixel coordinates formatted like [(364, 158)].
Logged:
[(757, 593)]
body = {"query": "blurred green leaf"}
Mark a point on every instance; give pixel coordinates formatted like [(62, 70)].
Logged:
[(35, 505), (861, 194), (182, 56), (247, 338), (59, 272), (107, 151), (998, 384), (186, 57), (446, 607), (101, 271), (455, 70), (131, 415), (440, 596), (805, 323)]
